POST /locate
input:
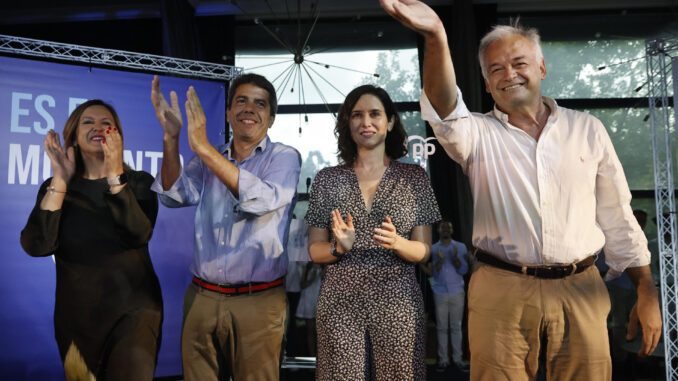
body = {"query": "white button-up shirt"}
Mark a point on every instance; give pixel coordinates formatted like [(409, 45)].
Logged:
[(556, 200)]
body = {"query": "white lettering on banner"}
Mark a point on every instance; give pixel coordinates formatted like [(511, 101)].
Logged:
[(39, 107), (75, 102), (154, 156), (17, 111), (21, 165), (127, 158), (421, 149), (16, 162), (137, 165), (46, 166)]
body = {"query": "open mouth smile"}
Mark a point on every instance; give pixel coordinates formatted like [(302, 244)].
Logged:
[(512, 87)]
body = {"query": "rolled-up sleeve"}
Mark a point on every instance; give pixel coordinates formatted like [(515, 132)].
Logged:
[(456, 132), (273, 189), (186, 189), (625, 243)]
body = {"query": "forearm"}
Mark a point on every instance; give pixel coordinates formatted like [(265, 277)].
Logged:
[(642, 278), (134, 218), (320, 252), (225, 171), (54, 199), (40, 236), (171, 164), (412, 251), (426, 267), (440, 82)]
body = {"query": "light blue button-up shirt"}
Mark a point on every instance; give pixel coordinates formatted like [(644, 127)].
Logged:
[(239, 240), (449, 280)]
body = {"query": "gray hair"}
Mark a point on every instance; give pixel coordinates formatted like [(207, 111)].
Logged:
[(500, 31)]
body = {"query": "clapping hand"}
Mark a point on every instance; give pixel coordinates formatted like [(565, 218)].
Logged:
[(456, 262), (386, 237), (63, 163), (344, 232), (197, 134), (169, 117), (112, 147)]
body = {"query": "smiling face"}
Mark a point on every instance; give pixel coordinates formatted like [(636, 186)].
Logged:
[(514, 72), (92, 129), (369, 123), (250, 113)]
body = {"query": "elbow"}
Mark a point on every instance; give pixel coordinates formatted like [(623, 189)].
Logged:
[(137, 237), (37, 248), (316, 258)]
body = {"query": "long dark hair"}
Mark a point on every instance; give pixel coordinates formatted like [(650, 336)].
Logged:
[(70, 132), (396, 139)]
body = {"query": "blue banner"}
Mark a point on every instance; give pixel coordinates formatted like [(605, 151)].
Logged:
[(38, 96)]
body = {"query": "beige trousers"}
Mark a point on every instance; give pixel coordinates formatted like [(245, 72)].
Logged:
[(514, 317), (232, 335)]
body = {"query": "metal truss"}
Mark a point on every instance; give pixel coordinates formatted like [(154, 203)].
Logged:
[(659, 61), (117, 58)]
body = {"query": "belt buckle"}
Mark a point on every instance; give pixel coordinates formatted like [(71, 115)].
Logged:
[(220, 287), (562, 271)]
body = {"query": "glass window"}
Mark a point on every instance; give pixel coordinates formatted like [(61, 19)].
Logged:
[(318, 146), (574, 69), (632, 138), (315, 143)]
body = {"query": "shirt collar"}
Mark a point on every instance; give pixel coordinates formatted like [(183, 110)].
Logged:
[(226, 148), (549, 102)]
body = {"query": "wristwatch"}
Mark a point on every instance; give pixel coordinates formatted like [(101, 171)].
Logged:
[(118, 180), (334, 252)]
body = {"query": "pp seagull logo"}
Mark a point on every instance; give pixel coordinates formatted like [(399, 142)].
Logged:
[(422, 148)]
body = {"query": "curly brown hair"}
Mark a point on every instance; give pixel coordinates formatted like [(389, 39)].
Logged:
[(396, 139)]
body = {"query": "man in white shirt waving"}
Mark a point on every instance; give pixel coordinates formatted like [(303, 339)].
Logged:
[(549, 193)]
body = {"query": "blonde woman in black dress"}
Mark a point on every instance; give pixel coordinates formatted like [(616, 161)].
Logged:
[(370, 221), (96, 216)]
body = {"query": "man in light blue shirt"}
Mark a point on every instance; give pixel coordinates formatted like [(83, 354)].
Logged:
[(448, 259), (245, 192)]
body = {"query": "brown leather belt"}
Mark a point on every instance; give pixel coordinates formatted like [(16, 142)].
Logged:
[(546, 271), (237, 289)]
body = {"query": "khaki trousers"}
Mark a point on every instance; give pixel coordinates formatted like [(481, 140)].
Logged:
[(513, 318), (232, 335)]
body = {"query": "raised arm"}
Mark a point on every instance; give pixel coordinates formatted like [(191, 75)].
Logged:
[(197, 139), (258, 194), (63, 167), (440, 83), (170, 120)]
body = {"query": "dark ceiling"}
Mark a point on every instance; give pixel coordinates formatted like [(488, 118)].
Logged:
[(222, 27), (50, 11)]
